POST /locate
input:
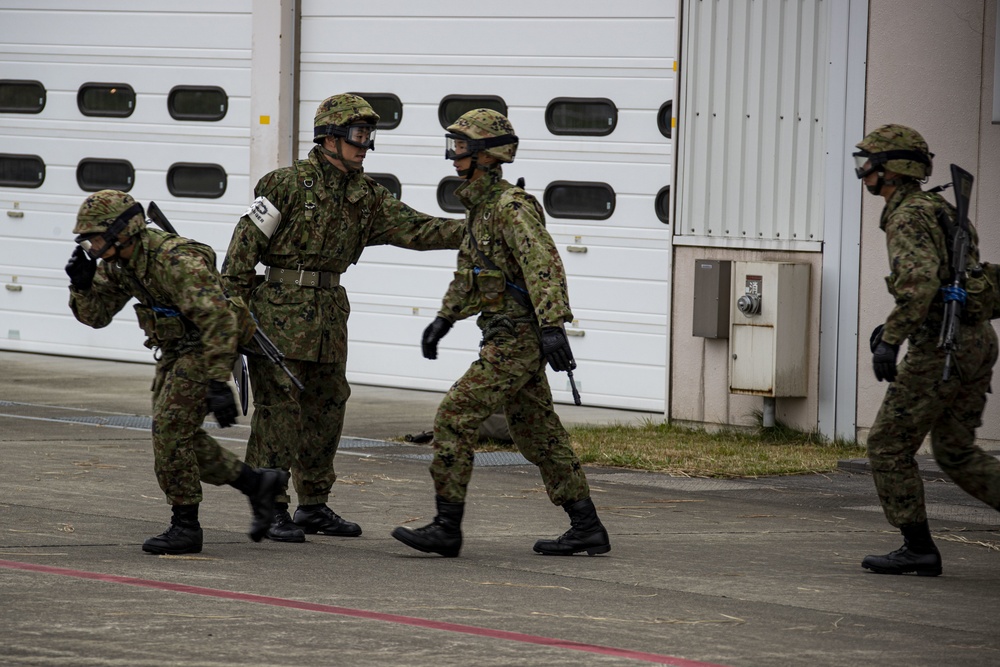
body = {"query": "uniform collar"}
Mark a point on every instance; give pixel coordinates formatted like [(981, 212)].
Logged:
[(471, 193), (336, 180), (902, 192)]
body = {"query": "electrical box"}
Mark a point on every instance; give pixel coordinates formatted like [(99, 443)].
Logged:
[(712, 282), (768, 338)]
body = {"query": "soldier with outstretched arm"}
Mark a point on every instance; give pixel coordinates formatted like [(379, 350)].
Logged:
[(308, 224)]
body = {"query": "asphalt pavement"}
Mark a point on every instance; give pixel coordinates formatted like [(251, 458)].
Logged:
[(754, 572)]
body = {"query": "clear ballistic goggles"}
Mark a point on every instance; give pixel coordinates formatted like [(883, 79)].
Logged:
[(457, 146), (97, 243), (863, 164)]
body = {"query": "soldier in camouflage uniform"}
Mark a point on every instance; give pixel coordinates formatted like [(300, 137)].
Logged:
[(506, 263), (891, 162), (188, 320), (308, 224)]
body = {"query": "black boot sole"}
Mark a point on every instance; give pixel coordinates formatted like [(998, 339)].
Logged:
[(590, 551), (315, 531), (936, 572), (291, 539), (405, 536), (157, 551)]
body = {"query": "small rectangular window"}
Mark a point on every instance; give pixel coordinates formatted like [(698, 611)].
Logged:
[(206, 181), (452, 107), (389, 182), (575, 199), (197, 103), (106, 99), (21, 96), (21, 171), (446, 195), (388, 107), (93, 174), (581, 116)]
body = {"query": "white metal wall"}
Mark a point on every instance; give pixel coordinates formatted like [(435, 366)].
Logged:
[(528, 54), (751, 150), (152, 47)]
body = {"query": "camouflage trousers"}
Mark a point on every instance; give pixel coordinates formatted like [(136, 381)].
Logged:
[(298, 431), (918, 402), (184, 454), (510, 373)]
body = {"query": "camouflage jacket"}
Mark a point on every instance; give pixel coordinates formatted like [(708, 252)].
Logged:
[(178, 277), (918, 258), (509, 229), (328, 218)]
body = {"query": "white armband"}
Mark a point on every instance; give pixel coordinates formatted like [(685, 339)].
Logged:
[(263, 214)]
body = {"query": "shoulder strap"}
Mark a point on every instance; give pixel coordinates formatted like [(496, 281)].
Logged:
[(518, 292)]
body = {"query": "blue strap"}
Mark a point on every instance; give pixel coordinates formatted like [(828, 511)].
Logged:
[(952, 293), (167, 312)]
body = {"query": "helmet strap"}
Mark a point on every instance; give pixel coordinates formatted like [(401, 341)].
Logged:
[(350, 165)]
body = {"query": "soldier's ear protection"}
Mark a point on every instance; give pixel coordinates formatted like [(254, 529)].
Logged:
[(110, 235)]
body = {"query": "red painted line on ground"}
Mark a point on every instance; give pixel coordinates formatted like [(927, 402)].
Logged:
[(360, 613)]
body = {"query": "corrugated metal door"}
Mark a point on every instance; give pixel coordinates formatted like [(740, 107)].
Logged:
[(187, 65), (528, 55)]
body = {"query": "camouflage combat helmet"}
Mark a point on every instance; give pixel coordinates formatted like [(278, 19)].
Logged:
[(483, 130), (338, 111), (110, 214), (895, 148)]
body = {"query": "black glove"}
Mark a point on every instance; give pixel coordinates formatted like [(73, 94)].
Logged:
[(221, 403), (434, 332), (81, 269), (884, 361), (555, 348), (875, 338)]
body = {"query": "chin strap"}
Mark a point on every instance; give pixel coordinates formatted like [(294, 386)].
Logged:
[(351, 165)]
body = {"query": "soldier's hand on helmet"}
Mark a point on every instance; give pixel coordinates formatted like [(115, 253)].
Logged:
[(434, 332), (221, 403), (81, 269), (884, 360), (555, 348)]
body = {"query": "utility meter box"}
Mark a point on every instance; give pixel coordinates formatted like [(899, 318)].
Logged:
[(768, 338)]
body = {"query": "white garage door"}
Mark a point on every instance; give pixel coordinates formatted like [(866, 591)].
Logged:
[(147, 97), (587, 91)]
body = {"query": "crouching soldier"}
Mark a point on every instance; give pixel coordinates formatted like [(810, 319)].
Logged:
[(195, 330)]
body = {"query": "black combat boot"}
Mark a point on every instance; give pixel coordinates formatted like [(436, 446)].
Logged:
[(182, 537), (586, 533), (321, 520), (918, 554), (442, 536), (260, 486), (282, 529)]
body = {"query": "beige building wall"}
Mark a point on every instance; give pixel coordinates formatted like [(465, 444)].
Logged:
[(930, 66)]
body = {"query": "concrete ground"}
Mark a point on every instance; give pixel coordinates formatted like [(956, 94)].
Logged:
[(702, 572)]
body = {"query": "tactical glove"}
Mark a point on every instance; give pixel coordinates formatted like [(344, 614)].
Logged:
[(434, 332), (221, 403), (875, 338), (884, 361), (81, 269), (555, 349)]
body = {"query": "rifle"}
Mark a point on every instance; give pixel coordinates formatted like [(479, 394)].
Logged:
[(954, 292), (267, 348)]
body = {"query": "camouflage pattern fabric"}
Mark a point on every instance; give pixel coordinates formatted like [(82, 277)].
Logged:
[(316, 415), (180, 274), (328, 218), (894, 137), (510, 371), (919, 401), (509, 226)]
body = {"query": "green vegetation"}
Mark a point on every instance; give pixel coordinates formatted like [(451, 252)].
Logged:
[(692, 452)]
